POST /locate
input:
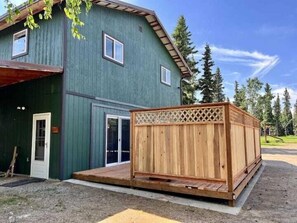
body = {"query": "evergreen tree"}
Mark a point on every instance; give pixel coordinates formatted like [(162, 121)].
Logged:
[(236, 101), (182, 40), (287, 117), (218, 95), (254, 99), (267, 112), (295, 118), (277, 117), (240, 97), (206, 82)]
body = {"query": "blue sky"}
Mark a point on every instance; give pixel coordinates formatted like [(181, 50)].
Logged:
[(249, 38)]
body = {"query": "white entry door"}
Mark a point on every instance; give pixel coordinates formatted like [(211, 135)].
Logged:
[(40, 145)]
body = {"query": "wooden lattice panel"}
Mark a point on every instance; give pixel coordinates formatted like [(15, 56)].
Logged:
[(180, 116)]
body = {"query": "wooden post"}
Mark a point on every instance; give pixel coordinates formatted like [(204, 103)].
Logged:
[(245, 146), (132, 145), (12, 164), (228, 150)]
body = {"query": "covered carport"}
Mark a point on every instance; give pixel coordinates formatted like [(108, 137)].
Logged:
[(26, 91)]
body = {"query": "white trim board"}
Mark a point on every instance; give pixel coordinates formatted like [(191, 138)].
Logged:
[(223, 208)]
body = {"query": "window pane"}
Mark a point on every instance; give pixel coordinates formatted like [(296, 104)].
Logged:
[(112, 140), (108, 47), (40, 140), (125, 140), (119, 52), (168, 76), (163, 74), (19, 45)]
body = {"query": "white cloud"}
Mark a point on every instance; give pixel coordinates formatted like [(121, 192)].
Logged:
[(260, 63), (277, 30)]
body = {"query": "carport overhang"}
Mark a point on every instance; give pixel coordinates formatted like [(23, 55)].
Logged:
[(13, 72)]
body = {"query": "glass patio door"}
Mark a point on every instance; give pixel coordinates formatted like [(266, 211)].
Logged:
[(117, 140)]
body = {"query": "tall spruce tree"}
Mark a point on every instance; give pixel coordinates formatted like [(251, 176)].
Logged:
[(267, 112), (218, 94), (277, 117), (240, 96), (254, 98), (287, 117), (206, 82), (182, 40), (295, 118), (236, 101)]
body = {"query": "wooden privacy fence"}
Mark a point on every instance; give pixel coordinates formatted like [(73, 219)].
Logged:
[(212, 142)]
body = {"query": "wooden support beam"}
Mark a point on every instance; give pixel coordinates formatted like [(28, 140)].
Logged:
[(228, 147)]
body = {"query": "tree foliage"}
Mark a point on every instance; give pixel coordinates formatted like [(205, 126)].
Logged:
[(295, 118), (218, 94), (267, 112), (287, 117), (277, 116), (72, 9), (182, 39), (240, 96), (206, 82), (254, 98)]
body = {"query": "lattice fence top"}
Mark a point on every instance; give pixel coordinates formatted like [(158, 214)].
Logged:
[(182, 115)]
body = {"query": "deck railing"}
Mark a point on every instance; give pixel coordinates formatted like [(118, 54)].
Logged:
[(212, 142)]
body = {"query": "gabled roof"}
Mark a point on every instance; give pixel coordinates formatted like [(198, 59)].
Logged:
[(149, 15)]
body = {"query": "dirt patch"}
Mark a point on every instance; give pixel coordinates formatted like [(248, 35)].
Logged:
[(273, 199)]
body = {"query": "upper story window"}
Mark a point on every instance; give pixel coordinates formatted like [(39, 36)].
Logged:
[(20, 43), (113, 49), (165, 75)]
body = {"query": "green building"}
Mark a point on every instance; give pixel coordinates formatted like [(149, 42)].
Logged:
[(65, 102)]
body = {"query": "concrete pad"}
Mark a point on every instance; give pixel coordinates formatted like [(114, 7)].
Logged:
[(136, 216), (223, 208)]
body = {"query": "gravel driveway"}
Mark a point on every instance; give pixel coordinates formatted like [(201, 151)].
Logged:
[(273, 199)]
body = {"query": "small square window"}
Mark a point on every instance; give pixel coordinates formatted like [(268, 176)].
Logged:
[(165, 76), (113, 49), (20, 43)]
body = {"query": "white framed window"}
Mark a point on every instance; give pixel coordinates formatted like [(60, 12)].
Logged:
[(113, 49), (20, 43), (165, 76)]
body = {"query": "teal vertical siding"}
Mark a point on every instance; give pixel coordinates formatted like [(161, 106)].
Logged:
[(85, 135), (45, 43), (45, 46), (38, 96), (89, 75), (138, 81), (98, 131)]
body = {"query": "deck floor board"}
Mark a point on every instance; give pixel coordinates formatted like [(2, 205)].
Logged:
[(120, 175)]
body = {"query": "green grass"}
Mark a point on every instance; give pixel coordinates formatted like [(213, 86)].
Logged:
[(276, 142), (12, 200)]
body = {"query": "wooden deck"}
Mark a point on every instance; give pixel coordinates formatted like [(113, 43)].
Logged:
[(120, 175)]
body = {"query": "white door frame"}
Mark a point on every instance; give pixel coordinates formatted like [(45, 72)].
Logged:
[(44, 164), (120, 118)]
